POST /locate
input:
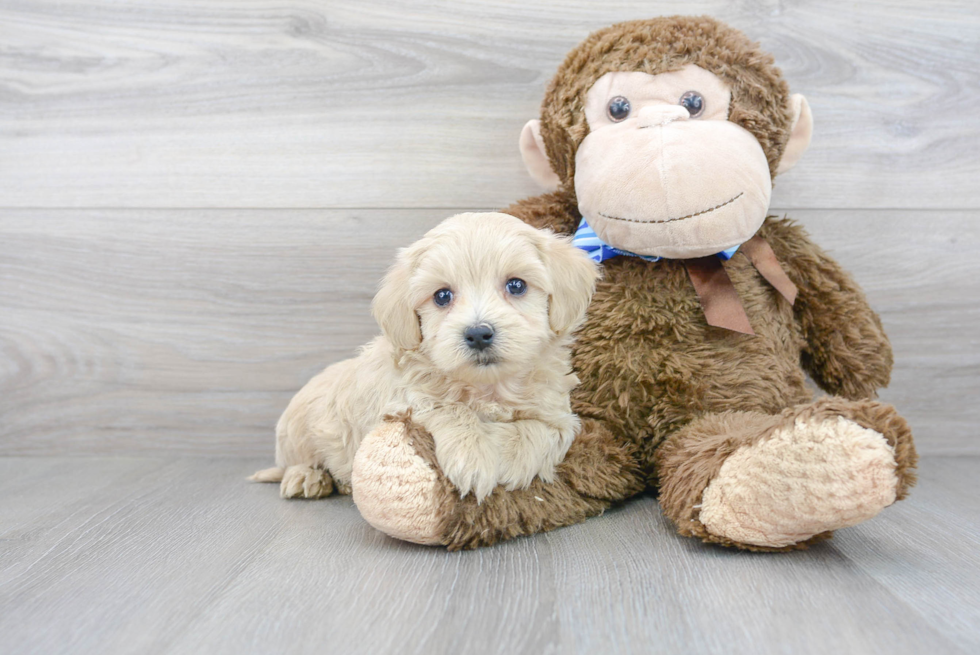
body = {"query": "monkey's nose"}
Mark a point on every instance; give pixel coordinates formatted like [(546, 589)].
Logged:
[(479, 337), (656, 115)]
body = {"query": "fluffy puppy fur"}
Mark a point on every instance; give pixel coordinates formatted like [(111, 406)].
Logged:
[(499, 414)]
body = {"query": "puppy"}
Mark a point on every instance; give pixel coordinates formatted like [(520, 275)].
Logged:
[(476, 319)]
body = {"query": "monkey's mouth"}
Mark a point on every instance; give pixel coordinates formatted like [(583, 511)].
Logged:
[(679, 218)]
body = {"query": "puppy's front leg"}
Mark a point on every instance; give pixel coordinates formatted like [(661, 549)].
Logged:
[(534, 447), (467, 448)]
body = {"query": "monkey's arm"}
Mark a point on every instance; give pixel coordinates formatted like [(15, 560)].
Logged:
[(553, 211), (846, 352)]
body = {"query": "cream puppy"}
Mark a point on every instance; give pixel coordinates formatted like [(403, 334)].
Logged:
[(476, 319)]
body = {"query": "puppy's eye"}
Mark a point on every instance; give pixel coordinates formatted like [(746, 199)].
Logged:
[(516, 286), (693, 102), (618, 108), (442, 297)]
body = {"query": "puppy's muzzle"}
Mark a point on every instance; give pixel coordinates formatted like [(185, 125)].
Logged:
[(478, 337)]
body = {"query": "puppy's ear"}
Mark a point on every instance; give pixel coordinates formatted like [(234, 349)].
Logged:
[(392, 305), (573, 278)]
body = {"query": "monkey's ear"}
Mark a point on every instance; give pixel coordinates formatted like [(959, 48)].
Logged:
[(392, 306), (799, 138), (573, 278), (535, 158)]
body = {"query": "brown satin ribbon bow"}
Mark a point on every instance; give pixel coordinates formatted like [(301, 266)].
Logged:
[(722, 306)]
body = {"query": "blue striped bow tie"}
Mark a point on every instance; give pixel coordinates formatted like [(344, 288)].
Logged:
[(586, 239)]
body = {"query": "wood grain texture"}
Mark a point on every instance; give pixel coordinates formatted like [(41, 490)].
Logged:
[(187, 331), (167, 556), (261, 103)]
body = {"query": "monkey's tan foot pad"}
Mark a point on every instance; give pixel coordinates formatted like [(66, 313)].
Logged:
[(811, 475), (305, 482), (397, 489)]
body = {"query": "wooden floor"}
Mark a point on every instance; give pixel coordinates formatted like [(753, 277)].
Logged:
[(138, 555)]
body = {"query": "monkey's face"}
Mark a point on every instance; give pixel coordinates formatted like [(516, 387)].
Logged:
[(663, 171)]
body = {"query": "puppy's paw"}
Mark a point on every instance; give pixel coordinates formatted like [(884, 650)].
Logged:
[(520, 473), (495, 413), (534, 449), (526, 454), (471, 470), (471, 461), (305, 482)]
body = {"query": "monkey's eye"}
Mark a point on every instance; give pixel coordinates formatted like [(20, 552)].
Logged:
[(618, 109), (516, 286), (693, 102), (442, 297)]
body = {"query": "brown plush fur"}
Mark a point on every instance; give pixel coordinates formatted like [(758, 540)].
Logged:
[(665, 397)]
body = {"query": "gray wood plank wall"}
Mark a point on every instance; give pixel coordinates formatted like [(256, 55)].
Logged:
[(197, 198)]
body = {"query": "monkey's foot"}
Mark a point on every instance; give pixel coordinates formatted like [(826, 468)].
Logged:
[(303, 481), (822, 467), (400, 489)]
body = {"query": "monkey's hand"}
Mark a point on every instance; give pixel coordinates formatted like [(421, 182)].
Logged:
[(846, 352)]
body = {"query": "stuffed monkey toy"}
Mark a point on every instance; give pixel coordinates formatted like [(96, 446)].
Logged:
[(660, 139)]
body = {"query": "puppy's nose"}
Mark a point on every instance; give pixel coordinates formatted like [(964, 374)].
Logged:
[(479, 337)]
